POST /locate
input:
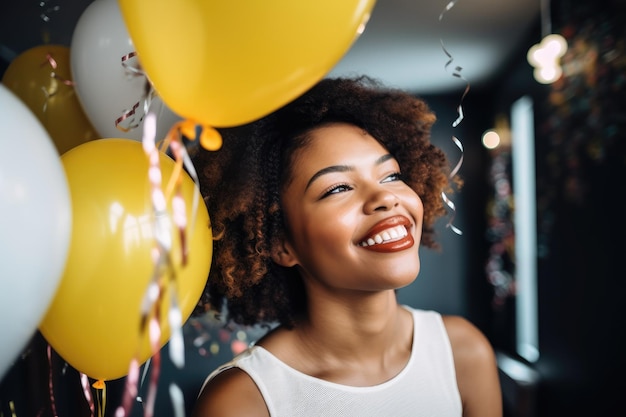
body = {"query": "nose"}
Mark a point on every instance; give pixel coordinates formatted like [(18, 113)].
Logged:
[(380, 200)]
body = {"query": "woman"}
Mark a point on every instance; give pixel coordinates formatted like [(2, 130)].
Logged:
[(319, 213)]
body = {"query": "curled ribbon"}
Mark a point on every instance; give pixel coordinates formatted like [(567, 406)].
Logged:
[(53, 63), (164, 272), (84, 382), (455, 73), (53, 90), (130, 116), (47, 10)]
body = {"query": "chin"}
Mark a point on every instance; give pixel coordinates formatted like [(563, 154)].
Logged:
[(406, 276)]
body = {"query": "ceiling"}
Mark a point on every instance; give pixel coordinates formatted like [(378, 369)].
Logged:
[(402, 45)]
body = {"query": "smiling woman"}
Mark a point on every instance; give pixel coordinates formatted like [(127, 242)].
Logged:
[(350, 193), (320, 209)]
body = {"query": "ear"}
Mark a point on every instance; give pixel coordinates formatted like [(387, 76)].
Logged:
[(283, 254)]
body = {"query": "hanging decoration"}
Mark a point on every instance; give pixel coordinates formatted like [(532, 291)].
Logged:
[(546, 55), (456, 73)]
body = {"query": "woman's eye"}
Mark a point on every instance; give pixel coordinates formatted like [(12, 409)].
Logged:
[(336, 189), (396, 176)]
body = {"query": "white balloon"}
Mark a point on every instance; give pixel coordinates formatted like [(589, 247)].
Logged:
[(105, 88), (35, 225)]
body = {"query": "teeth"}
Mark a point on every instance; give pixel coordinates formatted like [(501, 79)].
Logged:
[(394, 233)]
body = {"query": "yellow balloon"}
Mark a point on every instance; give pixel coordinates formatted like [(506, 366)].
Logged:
[(94, 319), (225, 63), (41, 77)]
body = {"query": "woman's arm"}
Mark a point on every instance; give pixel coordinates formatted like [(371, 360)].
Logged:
[(476, 369)]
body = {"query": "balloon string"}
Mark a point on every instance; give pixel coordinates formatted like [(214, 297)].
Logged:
[(84, 381), (50, 381), (154, 332), (178, 400), (455, 73), (130, 115), (173, 141), (164, 272), (143, 378), (150, 318), (153, 297), (210, 139), (178, 202), (130, 390), (101, 397), (176, 343), (12, 408)]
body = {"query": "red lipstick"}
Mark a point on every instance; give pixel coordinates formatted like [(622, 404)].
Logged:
[(389, 235)]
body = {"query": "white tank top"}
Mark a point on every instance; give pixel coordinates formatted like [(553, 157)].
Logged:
[(425, 387)]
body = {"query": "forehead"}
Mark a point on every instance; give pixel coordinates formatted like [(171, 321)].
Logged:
[(336, 142)]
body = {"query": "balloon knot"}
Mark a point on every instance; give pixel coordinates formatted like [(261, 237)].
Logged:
[(99, 384), (209, 138)]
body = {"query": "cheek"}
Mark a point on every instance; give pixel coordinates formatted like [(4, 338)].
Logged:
[(415, 201), (330, 226), (323, 230)]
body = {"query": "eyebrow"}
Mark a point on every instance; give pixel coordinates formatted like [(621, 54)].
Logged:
[(343, 168)]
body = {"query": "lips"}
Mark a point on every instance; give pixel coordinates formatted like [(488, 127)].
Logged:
[(389, 235)]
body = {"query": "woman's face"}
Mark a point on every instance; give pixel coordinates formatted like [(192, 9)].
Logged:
[(353, 224)]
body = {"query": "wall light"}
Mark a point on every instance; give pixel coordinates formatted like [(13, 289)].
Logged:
[(499, 135), (491, 139)]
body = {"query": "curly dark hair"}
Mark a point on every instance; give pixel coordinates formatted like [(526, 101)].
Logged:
[(242, 184)]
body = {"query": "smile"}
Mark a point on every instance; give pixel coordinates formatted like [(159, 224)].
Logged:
[(390, 235)]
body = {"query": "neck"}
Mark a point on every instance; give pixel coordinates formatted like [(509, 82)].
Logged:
[(370, 325), (355, 343)]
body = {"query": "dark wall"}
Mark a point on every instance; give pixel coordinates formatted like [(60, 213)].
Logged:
[(581, 188)]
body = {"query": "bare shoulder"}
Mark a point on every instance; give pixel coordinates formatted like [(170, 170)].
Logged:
[(476, 368), (232, 393), (468, 342)]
